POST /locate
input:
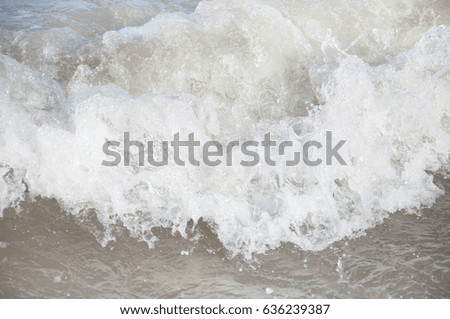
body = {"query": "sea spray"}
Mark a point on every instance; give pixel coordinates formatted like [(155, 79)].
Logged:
[(234, 70)]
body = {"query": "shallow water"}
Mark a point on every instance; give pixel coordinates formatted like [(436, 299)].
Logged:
[(74, 74), (49, 254)]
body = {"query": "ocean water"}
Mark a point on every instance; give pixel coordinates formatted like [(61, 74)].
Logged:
[(74, 74)]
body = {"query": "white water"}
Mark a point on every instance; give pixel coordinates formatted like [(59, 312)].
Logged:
[(376, 73)]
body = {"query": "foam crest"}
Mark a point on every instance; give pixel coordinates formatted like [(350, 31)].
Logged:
[(234, 70)]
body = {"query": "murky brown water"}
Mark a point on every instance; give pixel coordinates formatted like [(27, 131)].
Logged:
[(75, 74), (47, 253)]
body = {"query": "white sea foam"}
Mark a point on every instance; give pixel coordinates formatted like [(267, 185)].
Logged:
[(3, 244), (375, 73)]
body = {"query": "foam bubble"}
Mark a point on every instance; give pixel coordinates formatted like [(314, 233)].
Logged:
[(234, 70)]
